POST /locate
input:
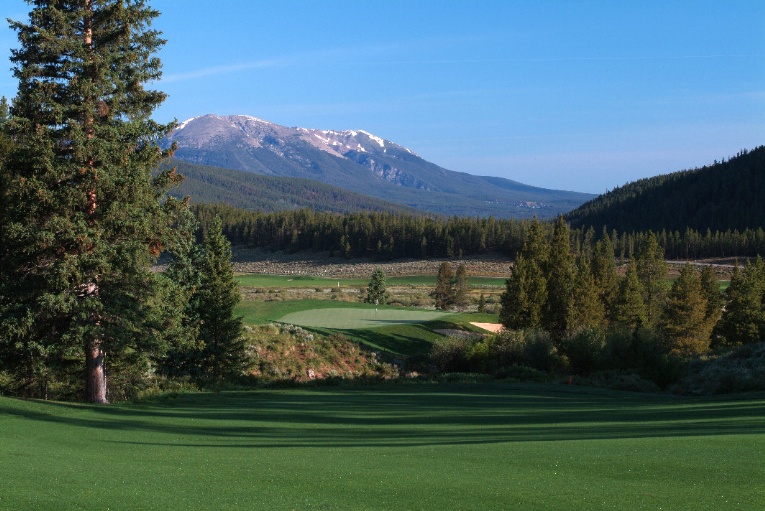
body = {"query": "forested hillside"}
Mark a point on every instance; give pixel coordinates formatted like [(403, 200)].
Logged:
[(724, 196), (246, 190), (392, 235)]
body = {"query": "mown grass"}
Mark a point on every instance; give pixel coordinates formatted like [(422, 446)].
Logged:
[(497, 446)]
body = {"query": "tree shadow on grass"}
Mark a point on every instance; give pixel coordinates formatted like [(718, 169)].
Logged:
[(407, 342), (402, 416)]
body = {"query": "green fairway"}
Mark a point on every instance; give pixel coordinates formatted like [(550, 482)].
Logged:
[(359, 318), (406, 447)]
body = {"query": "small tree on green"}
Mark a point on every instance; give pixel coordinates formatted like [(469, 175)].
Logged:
[(461, 287), (482, 304), (524, 296), (444, 292), (376, 289), (223, 349)]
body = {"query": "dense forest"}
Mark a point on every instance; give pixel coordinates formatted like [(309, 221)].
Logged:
[(722, 197), (388, 235), (269, 193)]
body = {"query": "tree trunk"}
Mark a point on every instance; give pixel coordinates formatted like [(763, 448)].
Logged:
[(96, 376)]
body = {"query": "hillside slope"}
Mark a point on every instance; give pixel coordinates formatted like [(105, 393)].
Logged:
[(360, 162), (720, 197), (205, 184)]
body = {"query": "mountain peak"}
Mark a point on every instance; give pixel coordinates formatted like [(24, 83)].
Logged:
[(358, 161)]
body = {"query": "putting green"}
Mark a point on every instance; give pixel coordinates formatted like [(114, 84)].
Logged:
[(355, 319)]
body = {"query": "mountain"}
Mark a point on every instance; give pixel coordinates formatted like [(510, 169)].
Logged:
[(246, 190), (724, 196), (360, 162)]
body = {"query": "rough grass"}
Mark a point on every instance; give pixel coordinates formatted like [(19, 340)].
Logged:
[(388, 447)]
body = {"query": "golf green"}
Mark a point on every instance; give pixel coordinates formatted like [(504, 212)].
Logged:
[(359, 318)]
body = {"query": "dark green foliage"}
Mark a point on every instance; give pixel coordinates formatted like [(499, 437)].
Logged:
[(82, 214), (743, 320), (684, 318), (725, 196), (214, 185), (525, 295), (652, 272), (219, 331), (629, 309), (376, 292), (461, 287), (561, 273), (444, 291)]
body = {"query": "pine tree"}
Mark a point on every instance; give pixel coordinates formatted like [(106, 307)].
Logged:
[(743, 320), (525, 295), (444, 292), (652, 272), (605, 275), (461, 287), (684, 318), (711, 291), (587, 310), (376, 289), (84, 216), (630, 309), (560, 281), (220, 331)]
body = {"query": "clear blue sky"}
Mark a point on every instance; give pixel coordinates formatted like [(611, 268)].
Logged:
[(576, 95)]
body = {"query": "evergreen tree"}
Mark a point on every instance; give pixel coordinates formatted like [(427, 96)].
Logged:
[(710, 288), (376, 291), (630, 309), (605, 275), (652, 272), (482, 304), (743, 320), (219, 331), (461, 287), (523, 302), (83, 216), (560, 281), (184, 277), (684, 319), (524, 296), (587, 310), (444, 292)]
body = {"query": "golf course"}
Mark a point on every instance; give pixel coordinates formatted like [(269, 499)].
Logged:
[(394, 446)]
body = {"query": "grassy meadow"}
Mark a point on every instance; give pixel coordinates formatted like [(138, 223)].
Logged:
[(399, 446)]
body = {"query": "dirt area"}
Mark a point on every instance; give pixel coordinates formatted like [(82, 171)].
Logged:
[(264, 262)]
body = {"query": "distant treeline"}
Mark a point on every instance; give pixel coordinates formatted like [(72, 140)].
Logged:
[(387, 236)]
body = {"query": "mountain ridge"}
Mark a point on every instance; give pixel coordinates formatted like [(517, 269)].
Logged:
[(724, 196), (359, 161)]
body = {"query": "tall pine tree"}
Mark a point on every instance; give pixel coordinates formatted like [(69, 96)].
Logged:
[(84, 214), (219, 330)]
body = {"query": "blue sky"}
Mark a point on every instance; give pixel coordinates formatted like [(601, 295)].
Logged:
[(575, 95)]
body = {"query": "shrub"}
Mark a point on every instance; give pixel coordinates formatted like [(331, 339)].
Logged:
[(738, 370)]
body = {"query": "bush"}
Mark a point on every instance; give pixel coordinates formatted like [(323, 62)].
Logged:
[(622, 380), (741, 369), (584, 351)]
